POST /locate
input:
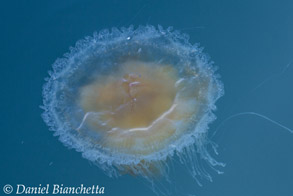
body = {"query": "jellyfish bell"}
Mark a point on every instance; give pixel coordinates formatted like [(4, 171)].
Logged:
[(130, 99)]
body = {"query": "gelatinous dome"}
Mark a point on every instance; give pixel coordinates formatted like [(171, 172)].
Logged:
[(128, 99)]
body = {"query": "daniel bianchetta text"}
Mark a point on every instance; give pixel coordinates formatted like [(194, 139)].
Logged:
[(59, 189)]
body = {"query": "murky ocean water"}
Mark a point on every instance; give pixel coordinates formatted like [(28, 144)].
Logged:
[(250, 42)]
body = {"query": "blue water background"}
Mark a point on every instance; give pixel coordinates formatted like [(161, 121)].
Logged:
[(250, 41)]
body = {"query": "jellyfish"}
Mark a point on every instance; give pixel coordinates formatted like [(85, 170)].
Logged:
[(131, 99)]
